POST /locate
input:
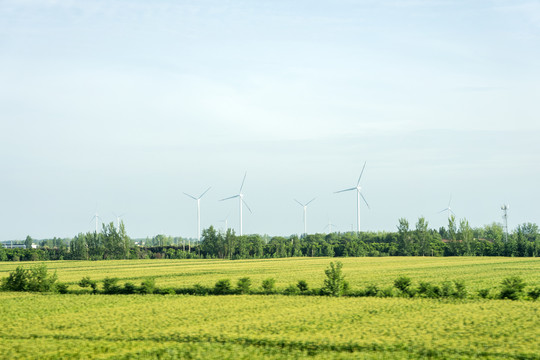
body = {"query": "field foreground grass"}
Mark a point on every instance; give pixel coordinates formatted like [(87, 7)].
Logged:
[(156, 326)]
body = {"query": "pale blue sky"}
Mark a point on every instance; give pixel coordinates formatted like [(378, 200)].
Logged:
[(125, 105)]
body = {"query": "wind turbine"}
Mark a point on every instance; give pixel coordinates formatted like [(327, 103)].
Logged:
[(505, 208), (329, 226), (358, 189), (305, 210), (97, 218), (241, 201), (118, 220), (198, 212), (226, 221), (448, 209)]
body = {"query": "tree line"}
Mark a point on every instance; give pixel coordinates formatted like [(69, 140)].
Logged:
[(457, 239)]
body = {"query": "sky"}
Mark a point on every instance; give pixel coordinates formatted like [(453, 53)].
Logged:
[(119, 107)]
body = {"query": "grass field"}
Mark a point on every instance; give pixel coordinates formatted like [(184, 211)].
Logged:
[(154, 326), (477, 272), (49, 326)]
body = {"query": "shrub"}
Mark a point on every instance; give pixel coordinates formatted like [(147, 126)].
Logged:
[(403, 284), (346, 286), (39, 280), (34, 279), (386, 292), (461, 290), (371, 290), (291, 290), (302, 286), (243, 285), (334, 282), (62, 288), (534, 293), (269, 285), (86, 282), (483, 293), (148, 286), (16, 281), (129, 288), (110, 286), (447, 289), (198, 289), (222, 287), (512, 288)]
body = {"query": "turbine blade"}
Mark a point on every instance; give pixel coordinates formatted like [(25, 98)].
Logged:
[(193, 197), (230, 197), (205, 192), (245, 203), (449, 201), (242, 186), (340, 191), (358, 183), (299, 203), (362, 195), (310, 201), (443, 210)]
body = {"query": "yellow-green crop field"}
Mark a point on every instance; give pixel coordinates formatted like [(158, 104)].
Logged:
[(53, 326), (477, 272)]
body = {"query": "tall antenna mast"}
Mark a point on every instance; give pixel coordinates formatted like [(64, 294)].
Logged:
[(505, 208)]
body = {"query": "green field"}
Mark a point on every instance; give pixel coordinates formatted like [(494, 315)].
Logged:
[(477, 272), (48, 326)]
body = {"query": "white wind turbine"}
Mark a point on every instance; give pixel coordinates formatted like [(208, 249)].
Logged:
[(226, 221), (241, 201), (329, 226), (97, 218), (358, 189), (448, 209), (305, 212), (198, 212), (118, 220)]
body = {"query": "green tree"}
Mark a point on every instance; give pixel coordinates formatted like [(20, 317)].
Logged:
[(79, 248), (125, 240), (211, 243), (114, 246), (334, 284), (466, 236), (405, 246), (28, 242), (494, 232), (422, 234)]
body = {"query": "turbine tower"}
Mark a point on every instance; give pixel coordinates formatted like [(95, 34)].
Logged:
[(305, 210), (241, 201), (505, 208), (198, 213), (118, 220), (96, 217), (448, 209), (226, 221), (329, 226), (359, 194)]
